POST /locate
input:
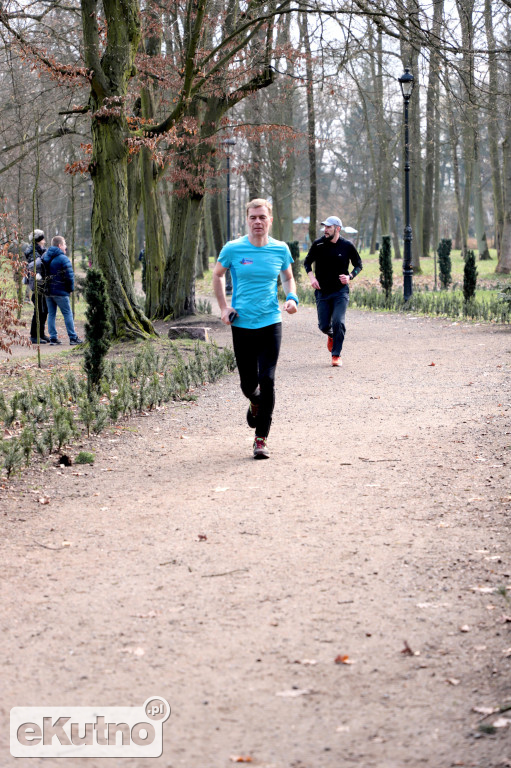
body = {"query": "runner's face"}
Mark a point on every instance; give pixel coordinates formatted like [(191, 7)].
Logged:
[(330, 232), (259, 221)]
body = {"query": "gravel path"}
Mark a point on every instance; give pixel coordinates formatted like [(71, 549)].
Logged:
[(178, 566)]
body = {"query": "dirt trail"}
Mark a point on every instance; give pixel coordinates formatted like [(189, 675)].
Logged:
[(221, 583)]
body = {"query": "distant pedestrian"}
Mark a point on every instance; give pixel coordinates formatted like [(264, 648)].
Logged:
[(141, 258), (59, 284), (36, 243), (331, 255), (255, 262)]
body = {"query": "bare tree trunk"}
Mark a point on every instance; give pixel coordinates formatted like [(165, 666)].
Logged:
[(482, 245), (410, 49), (431, 133), (281, 151), (456, 172), (504, 265), (150, 174), (311, 132), (493, 129)]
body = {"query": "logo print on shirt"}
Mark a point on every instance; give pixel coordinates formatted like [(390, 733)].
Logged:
[(246, 261)]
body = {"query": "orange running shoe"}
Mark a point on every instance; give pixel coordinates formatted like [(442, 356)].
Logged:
[(330, 343), (336, 361)]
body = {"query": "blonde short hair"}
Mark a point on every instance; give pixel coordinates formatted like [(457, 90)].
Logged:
[(259, 202)]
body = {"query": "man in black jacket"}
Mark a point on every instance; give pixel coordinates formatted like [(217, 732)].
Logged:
[(332, 255), (37, 244)]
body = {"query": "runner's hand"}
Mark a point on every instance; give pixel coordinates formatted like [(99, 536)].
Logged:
[(314, 281), (344, 279), (226, 311), (290, 306)]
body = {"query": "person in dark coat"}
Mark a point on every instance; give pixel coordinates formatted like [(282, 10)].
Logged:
[(36, 242), (59, 282)]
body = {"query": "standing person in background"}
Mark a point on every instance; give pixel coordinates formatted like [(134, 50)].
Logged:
[(141, 258), (36, 242), (255, 262), (59, 284), (331, 255)]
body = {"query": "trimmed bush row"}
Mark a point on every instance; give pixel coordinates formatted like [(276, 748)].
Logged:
[(47, 417), (443, 303)]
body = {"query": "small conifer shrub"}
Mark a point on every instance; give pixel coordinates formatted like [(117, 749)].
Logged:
[(98, 328), (469, 276), (385, 259), (444, 262)]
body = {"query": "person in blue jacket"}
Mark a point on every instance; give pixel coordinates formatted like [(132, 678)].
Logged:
[(59, 282)]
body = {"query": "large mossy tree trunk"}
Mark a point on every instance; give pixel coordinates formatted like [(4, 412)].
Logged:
[(110, 226), (178, 289), (134, 202), (153, 221), (111, 64)]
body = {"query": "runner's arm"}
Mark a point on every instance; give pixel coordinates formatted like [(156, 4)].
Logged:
[(308, 261), (288, 286), (219, 289)]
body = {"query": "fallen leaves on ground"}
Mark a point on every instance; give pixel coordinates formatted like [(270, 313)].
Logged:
[(292, 693), (240, 759), (343, 659), (132, 651), (407, 651)]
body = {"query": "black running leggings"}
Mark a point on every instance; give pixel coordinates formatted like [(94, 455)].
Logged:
[(257, 351)]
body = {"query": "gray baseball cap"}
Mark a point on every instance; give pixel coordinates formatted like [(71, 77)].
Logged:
[(332, 221)]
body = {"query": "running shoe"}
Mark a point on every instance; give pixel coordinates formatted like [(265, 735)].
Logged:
[(261, 448), (336, 361), (330, 343)]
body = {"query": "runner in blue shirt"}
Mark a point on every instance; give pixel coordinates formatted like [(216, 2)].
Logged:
[(255, 262)]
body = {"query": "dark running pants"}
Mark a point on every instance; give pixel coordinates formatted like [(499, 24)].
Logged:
[(257, 351), (332, 314), (43, 314)]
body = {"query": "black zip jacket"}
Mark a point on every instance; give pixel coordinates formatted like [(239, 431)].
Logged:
[(332, 260)]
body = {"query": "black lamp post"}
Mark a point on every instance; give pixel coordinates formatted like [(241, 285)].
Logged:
[(228, 143), (82, 199), (406, 81)]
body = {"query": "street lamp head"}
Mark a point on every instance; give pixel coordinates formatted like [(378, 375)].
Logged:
[(228, 143), (406, 81)]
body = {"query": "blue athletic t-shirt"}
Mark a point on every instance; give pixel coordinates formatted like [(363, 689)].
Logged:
[(255, 271)]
